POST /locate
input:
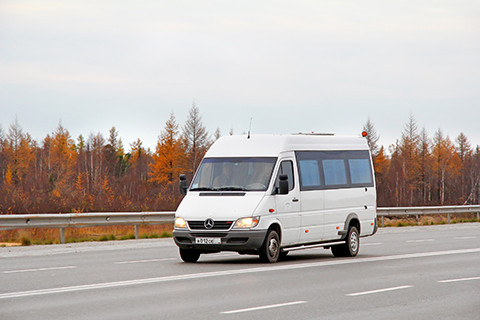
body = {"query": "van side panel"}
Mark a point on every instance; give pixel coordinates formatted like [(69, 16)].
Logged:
[(340, 203), (335, 184), (312, 216)]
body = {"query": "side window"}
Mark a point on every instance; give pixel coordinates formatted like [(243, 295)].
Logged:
[(334, 172), (334, 169), (360, 171), (309, 174), (286, 167)]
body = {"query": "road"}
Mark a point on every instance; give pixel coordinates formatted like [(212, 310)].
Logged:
[(429, 272)]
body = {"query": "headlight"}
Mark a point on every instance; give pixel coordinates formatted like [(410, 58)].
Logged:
[(180, 223), (249, 222)]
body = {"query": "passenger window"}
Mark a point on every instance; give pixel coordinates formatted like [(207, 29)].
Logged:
[(360, 171), (309, 173), (334, 172), (286, 167)]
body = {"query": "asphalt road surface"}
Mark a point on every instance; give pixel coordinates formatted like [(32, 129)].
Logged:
[(430, 272)]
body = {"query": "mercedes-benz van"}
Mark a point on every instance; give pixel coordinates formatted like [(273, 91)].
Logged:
[(271, 194)]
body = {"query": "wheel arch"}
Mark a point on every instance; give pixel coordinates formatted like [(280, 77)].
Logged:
[(351, 220), (275, 225)]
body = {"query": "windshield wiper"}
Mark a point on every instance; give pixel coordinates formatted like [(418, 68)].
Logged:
[(231, 188), (203, 189)]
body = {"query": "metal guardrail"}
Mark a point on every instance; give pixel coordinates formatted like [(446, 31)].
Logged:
[(416, 211), (62, 221)]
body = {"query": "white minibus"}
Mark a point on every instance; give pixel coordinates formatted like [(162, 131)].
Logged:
[(271, 194)]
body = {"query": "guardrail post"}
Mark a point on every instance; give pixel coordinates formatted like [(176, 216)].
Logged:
[(448, 217), (62, 235), (136, 231), (383, 223)]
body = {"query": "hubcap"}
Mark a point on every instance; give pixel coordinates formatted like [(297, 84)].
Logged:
[(354, 241), (273, 247)]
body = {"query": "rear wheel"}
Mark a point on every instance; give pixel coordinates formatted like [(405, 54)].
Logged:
[(189, 255), (270, 250), (351, 246)]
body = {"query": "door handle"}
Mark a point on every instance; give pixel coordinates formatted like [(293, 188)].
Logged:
[(294, 200)]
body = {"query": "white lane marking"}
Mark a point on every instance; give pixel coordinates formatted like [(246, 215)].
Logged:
[(233, 272), (39, 269), (372, 244), (420, 240), (465, 238), (460, 279), (378, 291), (142, 261), (264, 307)]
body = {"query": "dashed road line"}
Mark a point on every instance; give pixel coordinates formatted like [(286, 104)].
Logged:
[(39, 269), (264, 307), (460, 279), (143, 261), (420, 240), (465, 238), (378, 291)]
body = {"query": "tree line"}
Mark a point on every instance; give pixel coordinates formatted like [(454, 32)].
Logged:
[(419, 170), (97, 174)]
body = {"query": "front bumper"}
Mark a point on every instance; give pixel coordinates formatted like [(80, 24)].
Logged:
[(234, 240)]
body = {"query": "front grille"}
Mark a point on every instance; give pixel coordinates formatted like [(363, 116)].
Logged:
[(208, 234), (218, 225)]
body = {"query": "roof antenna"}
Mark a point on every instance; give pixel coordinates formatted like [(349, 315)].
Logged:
[(249, 128)]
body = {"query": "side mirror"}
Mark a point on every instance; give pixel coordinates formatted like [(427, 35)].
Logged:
[(183, 184), (283, 184)]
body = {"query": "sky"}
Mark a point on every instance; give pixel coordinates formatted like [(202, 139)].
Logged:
[(290, 66)]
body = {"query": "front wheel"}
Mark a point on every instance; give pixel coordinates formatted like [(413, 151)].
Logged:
[(351, 246), (189, 255), (270, 250)]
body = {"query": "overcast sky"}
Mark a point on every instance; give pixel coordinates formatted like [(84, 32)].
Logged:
[(323, 66)]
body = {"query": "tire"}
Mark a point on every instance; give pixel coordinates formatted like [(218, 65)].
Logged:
[(270, 250), (351, 246), (189, 255)]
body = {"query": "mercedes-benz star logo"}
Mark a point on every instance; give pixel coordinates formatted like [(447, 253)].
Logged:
[(208, 223)]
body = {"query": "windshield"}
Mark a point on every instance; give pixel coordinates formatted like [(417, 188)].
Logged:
[(234, 174)]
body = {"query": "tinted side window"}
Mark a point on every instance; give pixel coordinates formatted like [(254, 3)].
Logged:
[(309, 174), (334, 172), (334, 169), (286, 167), (360, 171)]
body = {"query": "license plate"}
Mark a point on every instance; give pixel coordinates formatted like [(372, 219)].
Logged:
[(208, 240)]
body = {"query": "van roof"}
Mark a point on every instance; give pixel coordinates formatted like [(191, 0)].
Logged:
[(273, 145)]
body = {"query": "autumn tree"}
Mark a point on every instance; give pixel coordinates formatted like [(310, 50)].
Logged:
[(169, 157), (424, 167), (467, 177), (409, 154), (382, 166), (62, 159), (446, 165), (196, 138)]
